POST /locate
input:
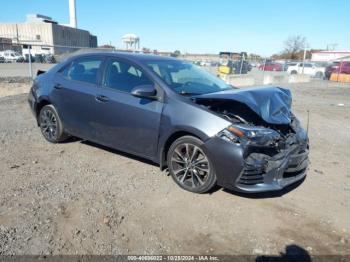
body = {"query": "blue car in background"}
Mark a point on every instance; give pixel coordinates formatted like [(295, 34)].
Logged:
[(177, 115)]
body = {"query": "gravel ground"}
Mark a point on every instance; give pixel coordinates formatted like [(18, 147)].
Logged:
[(80, 198)]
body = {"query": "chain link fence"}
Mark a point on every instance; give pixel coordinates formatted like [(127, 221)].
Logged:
[(21, 60)]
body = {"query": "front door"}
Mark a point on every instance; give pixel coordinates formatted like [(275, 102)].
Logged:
[(124, 121)]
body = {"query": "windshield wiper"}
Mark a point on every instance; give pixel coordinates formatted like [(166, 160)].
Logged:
[(184, 93)]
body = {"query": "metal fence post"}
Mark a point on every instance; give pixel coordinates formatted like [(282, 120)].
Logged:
[(30, 63), (264, 69), (240, 70), (304, 58), (264, 65), (339, 70)]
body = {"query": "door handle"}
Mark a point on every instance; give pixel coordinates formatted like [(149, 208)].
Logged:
[(102, 98), (58, 86)]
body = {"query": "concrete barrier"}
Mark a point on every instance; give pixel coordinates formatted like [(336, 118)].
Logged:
[(340, 78), (275, 79), (299, 78), (240, 80)]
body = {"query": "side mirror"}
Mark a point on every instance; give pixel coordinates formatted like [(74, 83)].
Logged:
[(144, 91)]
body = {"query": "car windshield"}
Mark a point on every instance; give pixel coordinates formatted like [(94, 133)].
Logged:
[(186, 78)]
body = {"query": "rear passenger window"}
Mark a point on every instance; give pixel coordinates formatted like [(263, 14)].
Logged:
[(124, 77), (84, 70)]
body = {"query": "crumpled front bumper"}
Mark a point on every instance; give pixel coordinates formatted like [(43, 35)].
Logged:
[(266, 173), (259, 170)]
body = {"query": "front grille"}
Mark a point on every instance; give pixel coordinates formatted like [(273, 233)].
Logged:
[(293, 174), (252, 176), (254, 169)]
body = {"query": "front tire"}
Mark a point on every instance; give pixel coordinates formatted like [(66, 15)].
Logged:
[(51, 125), (189, 165)]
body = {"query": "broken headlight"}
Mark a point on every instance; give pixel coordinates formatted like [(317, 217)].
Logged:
[(250, 134)]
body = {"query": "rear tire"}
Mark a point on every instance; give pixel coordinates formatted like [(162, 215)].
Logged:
[(293, 72), (319, 75), (189, 165), (51, 125)]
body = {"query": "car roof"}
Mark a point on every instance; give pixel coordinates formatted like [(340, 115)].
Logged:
[(138, 57)]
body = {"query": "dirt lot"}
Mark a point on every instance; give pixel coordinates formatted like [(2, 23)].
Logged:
[(79, 198)]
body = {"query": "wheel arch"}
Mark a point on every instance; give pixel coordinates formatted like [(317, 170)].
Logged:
[(41, 103), (319, 74), (171, 138)]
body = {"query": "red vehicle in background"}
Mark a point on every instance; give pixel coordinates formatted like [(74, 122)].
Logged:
[(337, 68), (271, 66)]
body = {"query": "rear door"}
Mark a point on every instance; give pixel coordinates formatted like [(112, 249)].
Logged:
[(124, 121), (309, 69), (74, 95)]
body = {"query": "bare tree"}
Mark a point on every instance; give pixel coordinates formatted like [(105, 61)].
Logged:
[(293, 46)]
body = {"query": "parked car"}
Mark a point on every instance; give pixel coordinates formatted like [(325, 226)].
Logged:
[(271, 66), (10, 56), (177, 115), (205, 63), (288, 64), (337, 67), (254, 64), (309, 69), (49, 59), (20, 59), (26, 58)]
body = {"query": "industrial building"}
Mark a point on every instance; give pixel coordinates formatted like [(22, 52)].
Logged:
[(328, 56), (46, 35), (5, 44)]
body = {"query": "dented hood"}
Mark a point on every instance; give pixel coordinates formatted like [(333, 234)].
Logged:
[(272, 104)]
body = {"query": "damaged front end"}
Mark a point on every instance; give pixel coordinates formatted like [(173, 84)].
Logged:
[(253, 155), (272, 159)]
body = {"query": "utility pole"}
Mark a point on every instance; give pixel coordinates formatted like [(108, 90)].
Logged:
[(304, 57), (331, 47)]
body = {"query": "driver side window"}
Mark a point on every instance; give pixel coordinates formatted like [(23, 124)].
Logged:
[(124, 77)]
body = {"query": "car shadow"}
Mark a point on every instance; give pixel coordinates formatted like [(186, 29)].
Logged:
[(70, 139), (271, 194), (115, 151), (292, 253)]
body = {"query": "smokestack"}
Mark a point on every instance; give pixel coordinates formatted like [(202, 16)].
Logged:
[(72, 14)]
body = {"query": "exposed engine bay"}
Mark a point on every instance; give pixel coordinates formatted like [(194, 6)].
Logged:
[(276, 154), (239, 113)]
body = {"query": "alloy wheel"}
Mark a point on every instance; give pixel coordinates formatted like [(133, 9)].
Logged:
[(48, 124), (190, 165)]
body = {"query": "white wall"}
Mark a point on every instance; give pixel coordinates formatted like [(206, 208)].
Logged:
[(328, 56)]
